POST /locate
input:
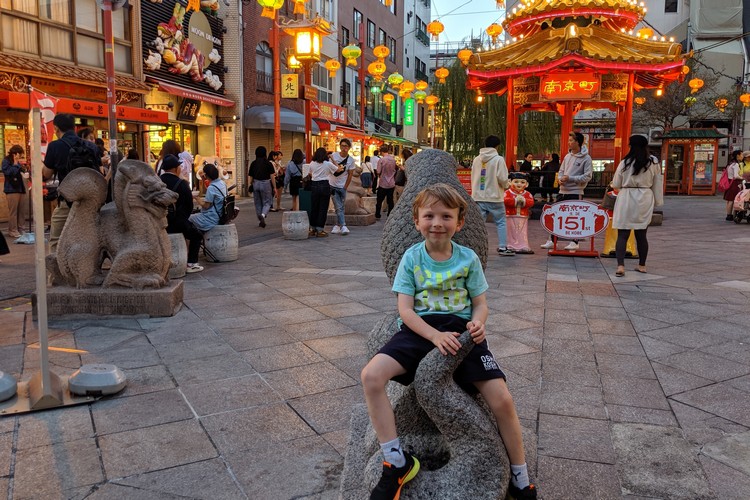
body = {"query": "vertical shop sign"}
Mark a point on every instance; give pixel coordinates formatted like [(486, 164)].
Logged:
[(48, 107), (409, 112), (290, 86)]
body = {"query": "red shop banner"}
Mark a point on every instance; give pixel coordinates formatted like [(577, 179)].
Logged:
[(569, 86), (329, 112)]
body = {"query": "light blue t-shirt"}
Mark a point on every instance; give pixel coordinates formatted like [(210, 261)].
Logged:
[(209, 217), (441, 287)]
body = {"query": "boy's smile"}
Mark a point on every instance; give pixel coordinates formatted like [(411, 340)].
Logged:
[(438, 223)]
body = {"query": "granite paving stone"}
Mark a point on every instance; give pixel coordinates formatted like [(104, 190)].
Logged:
[(554, 330), (608, 313), (310, 379), (642, 324), (572, 400), (199, 330), (254, 339), (615, 344), (624, 365), (705, 365), (328, 411), (229, 394), (319, 329), (674, 381), (279, 357), (53, 426), (575, 438), (610, 327), (656, 349), (683, 336), (127, 413), (576, 317), (193, 349), (338, 347), (645, 394), (722, 328), (154, 448), (254, 428), (636, 415), (732, 450), (719, 399), (560, 478), (124, 358), (726, 482), (702, 427), (200, 370), (6, 453)]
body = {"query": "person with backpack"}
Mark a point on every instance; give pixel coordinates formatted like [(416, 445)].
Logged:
[(178, 215), (734, 174), (64, 154), (213, 203)]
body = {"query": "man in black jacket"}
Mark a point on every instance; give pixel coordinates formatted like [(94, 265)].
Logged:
[(178, 217)]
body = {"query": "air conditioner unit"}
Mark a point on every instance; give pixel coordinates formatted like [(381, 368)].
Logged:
[(654, 136)]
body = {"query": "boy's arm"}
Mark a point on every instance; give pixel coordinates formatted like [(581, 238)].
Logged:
[(479, 313), (446, 342)]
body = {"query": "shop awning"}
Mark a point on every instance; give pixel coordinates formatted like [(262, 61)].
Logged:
[(343, 130), (192, 94), (393, 138), (79, 107), (261, 117)]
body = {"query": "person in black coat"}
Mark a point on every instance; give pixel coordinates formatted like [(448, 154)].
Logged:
[(548, 176), (178, 218)]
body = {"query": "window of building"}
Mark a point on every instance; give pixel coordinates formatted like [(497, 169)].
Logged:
[(324, 83), (44, 29), (326, 9), (356, 27), (370, 34), (670, 5), (344, 37), (392, 8), (392, 47), (382, 38), (407, 62), (263, 67)]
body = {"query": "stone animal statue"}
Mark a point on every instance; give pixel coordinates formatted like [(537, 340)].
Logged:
[(353, 205), (130, 230), (453, 433)]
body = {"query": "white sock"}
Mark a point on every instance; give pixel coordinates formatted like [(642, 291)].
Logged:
[(519, 476), (393, 453)]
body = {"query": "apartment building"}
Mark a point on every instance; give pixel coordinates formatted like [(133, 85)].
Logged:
[(416, 62)]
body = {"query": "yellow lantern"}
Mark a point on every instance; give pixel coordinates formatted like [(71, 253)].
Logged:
[(388, 99), (376, 70), (332, 65), (420, 96), (351, 53), (421, 85), (299, 6), (408, 86), (381, 52), (387, 3), (395, 79), (695, 84), (645, 33), (464, 55), (434, 29), (442, 74), (685, 69), (270, 7), (721, 103), (745, 99), (292, 62), (690, 100), (494, 30), (500, 4), (640, 100), (431, 100), (308, 35)]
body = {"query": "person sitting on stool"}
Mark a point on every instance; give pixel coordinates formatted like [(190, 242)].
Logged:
[(178, 216)]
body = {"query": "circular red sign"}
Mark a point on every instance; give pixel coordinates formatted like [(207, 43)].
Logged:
[(574, 219)]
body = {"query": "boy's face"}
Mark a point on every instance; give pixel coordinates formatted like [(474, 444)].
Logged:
[(518, 185), (438, 223)]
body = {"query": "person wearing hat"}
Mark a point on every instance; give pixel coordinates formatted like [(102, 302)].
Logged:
[(518, 202), (178, 216)]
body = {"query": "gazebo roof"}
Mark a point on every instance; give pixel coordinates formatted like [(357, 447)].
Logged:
[(693, 133), (593, 47)]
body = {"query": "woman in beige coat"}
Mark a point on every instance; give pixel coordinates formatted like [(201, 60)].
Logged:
[(640, 187)]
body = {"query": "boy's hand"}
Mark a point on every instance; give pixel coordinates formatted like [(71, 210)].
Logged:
[(447, 342), (476, 329)]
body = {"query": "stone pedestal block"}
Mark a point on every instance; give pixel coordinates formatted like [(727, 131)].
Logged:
[(178, 263), (295, 225), (352, 220), (657, 218), (65, 301), (222, 243), (369, 202)]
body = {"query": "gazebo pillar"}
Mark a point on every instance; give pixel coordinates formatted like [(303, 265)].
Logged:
[(620, 138), (511, 128), (566, 128)]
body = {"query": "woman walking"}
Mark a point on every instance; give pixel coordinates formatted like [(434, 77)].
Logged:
[(275, 157), (15, 190), (261, 177), (734, 172), (640, 184), (366, 176), (293, 176), (320, 168)]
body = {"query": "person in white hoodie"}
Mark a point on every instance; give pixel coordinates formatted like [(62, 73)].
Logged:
[(574, 175), (489, 180)]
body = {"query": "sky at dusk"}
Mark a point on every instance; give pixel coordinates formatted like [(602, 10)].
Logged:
[(461, 16)]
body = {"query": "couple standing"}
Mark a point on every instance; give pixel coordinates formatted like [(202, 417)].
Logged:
[(489, 180)]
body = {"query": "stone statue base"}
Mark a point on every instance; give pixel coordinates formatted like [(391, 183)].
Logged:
[(67, 302), (352, 220)]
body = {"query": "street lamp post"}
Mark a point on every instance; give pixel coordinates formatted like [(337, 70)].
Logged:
[(275, 50)]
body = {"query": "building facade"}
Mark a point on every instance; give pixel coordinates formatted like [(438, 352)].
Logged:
[(416, 63)]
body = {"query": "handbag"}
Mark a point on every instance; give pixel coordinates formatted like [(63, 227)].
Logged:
[(608, 202), (724, 182), (400, 178)]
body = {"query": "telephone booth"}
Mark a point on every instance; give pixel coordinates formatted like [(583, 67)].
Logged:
[(690, 160)]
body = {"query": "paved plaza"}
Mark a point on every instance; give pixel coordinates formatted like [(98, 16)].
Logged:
[(634, 387)]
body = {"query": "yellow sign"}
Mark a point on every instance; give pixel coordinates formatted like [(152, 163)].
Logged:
[(290, 86)]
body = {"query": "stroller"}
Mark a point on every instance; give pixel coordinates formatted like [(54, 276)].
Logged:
[(742, 203)]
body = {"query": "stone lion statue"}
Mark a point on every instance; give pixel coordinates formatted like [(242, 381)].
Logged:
[(453, 433), (130, 231), (353, 204)]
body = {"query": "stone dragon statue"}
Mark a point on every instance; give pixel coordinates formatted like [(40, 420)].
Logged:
[(453, 434), (130, 231)]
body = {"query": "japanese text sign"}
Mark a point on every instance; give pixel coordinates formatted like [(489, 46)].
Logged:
[(290, 86), (573, 219), (567, 86), (329, 112), (409, 112)]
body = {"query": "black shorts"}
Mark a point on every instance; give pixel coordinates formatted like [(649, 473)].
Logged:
[(408, 349), (294, 184)]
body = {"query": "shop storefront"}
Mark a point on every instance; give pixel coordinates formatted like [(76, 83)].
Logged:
[(183, 58), (334, 125), (690, 161), (259, 121)]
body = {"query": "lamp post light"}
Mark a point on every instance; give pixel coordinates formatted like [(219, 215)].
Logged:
[(308, 35)]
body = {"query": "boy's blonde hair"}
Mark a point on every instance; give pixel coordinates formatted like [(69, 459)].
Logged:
[(442, 193)]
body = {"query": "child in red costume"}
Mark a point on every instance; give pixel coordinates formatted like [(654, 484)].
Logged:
[(518, 203)]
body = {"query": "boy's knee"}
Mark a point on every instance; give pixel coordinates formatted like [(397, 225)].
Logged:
[(372, 377)]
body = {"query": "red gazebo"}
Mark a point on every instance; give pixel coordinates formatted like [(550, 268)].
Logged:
[(569, 55)]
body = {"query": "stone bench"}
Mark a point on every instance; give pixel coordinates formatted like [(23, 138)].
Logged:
[(178, 263), (221, 243), (295, 225)]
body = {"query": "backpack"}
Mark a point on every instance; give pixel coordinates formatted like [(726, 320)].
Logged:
[(724, 182), (228, 211), (79, 156)]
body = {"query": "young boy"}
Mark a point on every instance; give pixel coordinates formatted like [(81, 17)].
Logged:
[(441, 292)]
